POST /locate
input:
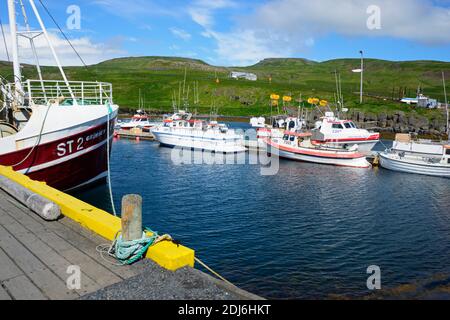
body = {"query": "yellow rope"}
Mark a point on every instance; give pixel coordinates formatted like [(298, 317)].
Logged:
[(213, 272)]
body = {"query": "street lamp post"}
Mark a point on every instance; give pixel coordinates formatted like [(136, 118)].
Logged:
[(362, 77)]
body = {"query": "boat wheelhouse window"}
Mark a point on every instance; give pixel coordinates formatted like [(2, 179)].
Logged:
[(292, 138), (447, 151), (337, 126), (286, 137), (353, 125), (348, 125)]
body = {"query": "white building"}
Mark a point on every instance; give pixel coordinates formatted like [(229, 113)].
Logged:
[(421, 101), (243, 75)]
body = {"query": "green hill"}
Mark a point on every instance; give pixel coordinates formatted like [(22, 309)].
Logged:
[(159, 78)]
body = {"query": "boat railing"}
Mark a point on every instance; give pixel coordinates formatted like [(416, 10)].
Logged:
[(83, 92)]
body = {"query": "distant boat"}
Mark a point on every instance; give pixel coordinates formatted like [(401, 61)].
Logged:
[(258, 122), (139, 120), (299, 146), (180, 131), (420, 157), (334, 132), (330, 131)]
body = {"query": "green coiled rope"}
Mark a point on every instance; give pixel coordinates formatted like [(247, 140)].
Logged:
[(128, 252)]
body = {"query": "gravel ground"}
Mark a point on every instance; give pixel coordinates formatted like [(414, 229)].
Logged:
[(156, 283)]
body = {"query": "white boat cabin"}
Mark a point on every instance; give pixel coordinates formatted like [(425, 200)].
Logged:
[(404, 143)]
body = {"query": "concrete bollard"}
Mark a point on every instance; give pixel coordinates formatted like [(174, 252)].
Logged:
[(46, 209), (131, 217)]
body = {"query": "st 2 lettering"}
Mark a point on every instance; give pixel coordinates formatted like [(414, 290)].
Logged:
[(66, 148)]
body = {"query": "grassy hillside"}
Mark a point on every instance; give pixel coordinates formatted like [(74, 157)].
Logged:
[(159, 77)]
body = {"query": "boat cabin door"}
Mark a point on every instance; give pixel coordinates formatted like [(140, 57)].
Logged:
[(447, 154)]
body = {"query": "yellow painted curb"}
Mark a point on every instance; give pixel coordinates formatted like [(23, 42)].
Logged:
[(166, 254)]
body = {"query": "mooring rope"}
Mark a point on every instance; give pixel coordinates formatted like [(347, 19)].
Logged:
[(204, 265), (128, 252), (108, 160), (38, 141)]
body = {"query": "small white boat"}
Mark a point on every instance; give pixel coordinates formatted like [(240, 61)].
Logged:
[(420, 157), (197, 134), (258, 122), (299, 146), (140, 120), (334, 132)]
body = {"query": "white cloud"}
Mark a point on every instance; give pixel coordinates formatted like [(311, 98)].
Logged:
[(202, 11), (416, 20), (90, 51), (290, 27), (245, 47), (181, 34)]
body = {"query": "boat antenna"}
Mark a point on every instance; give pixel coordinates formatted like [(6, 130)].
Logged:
[(4, 40), (446, 104), (63, 33)]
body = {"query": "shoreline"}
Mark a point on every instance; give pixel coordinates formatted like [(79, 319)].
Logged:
[(387, 133)]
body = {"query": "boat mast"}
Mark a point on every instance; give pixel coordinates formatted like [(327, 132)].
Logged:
[(55, 56), (15, 53), (31, 37)]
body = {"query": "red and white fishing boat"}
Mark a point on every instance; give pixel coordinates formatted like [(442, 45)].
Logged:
[(334, 132), (330, 131), (54, 131), (299, 146)]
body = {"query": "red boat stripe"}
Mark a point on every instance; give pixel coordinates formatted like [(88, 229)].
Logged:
[(61, 160), (371, 138), (317, 154)]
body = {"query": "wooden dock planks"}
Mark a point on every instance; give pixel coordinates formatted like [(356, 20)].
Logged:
[(35, 255)]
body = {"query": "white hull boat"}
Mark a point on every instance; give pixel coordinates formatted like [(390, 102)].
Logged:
[(140, 120), (298, 146), (418, 157), (334, 132), (329, 132), (258, 122), (198, 135)]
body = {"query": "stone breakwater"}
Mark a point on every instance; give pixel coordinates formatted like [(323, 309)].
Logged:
[(395, 122)]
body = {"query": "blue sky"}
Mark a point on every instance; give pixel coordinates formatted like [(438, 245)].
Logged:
[(230, 32)]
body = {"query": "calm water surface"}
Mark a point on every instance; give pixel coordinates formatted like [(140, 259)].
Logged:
[(310, 231)]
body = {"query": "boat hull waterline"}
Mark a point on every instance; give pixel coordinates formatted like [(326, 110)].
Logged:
[(199, 142), (66, 162), (320, 156), (393, 163)]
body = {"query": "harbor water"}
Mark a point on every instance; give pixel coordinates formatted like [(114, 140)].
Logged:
[(310, 231)]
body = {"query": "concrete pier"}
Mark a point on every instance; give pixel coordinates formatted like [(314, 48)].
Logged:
[(42, 260)]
